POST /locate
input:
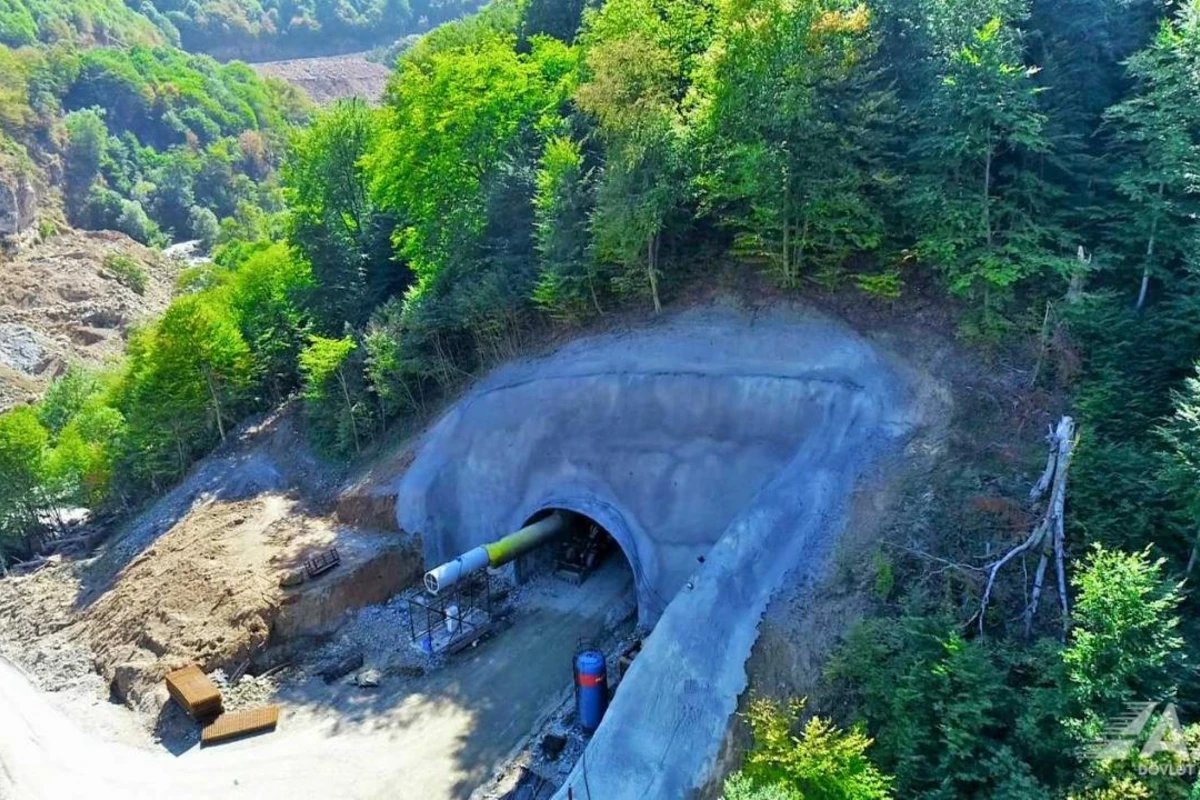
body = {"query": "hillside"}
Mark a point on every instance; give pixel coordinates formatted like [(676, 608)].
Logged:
[(330, 78), (81, 22), (248, 30), (73, 300), (1017, 176), (152, 142)]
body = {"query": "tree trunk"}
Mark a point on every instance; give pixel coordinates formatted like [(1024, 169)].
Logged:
[(1141, 301), (1049, 535), (987, 195), (212, 391), (349, 410), (1043, 343), (179, 452), (787, 230), (652, 270), (595, 298)]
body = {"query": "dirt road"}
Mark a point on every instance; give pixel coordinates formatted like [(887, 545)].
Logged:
[(437, 738)]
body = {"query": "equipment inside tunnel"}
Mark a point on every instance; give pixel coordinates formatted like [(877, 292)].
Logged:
[(459, 607)]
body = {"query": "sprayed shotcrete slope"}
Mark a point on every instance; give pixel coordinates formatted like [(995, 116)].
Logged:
[(718, 448)]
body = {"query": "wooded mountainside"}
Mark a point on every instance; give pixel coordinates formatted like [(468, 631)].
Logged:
[(541, 163), (247, 29)]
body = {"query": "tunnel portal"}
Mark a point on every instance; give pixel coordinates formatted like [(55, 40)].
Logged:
[(716, 448)]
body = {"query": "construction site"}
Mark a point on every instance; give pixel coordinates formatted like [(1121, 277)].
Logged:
[(554, 589)]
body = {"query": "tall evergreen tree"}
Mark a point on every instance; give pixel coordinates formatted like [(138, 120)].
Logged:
[(1156, 144), (978, 207), (334, 222)]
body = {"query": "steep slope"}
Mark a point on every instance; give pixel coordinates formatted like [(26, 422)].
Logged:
[(73, 300)]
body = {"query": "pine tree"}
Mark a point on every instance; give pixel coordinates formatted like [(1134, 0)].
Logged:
[(1156, 141)]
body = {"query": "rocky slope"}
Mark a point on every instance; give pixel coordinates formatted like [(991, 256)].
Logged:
[(329, 78), (71, 300)]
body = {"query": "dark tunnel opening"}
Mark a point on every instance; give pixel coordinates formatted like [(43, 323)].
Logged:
[(584, 548)]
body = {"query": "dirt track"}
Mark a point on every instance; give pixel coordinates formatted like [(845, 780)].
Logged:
[(435, 739)]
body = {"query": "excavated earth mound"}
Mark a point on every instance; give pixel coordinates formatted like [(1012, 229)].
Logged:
[(196, 578), (327, 79), (718, 448), (60, 304)]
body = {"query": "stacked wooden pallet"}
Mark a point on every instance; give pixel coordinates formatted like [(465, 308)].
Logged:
[(195, 692), (201, 699), (240, 723)]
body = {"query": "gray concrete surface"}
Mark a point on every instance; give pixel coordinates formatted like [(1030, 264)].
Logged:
[(712, 434)]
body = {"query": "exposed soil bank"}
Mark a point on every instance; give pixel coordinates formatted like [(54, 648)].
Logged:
[(718, 449)]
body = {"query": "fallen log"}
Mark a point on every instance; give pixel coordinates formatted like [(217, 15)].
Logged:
[(1048, 537)]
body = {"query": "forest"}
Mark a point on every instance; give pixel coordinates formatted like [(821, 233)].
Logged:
[(541, 164), (247, 29)]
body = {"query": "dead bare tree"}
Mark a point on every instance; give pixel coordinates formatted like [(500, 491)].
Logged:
[(1049, 536)]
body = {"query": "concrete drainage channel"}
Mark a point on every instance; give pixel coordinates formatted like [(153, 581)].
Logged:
[(717, 450)]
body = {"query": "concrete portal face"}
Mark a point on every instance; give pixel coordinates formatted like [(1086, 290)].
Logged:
[(716, 448)]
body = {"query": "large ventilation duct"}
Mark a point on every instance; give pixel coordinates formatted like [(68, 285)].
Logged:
[(496, 554)]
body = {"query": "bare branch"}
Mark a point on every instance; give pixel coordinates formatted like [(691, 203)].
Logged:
[(1050, 533)]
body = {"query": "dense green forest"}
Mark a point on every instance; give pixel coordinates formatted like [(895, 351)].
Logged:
[(541, 164), (153, 142), (247, 29), (100, 22)]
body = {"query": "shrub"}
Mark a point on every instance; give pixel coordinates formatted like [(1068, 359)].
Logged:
[(819, 762), (126, 271)]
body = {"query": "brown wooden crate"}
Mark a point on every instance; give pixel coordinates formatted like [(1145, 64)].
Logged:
[(194, 691), (240, 723)]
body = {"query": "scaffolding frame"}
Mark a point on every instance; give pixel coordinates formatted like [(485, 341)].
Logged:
[(467, 607)]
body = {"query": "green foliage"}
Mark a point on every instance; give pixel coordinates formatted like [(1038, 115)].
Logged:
[(104, 22), (1125, 636), (152, 140), (1180, 470), (490, 104), (127, 271), (23, 443), (333, 399), (956, 718), (266, 294), (638, 55), (740, 787), (568, 285), (1155, 136), (1125, 491), (814, 760), (789, 87), (977, 206), (65, 398), (334, 221), (239, 28)]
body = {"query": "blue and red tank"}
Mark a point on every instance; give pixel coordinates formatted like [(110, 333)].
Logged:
[(591, 688)]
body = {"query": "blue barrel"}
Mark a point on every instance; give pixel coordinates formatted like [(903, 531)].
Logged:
[(591, 688)]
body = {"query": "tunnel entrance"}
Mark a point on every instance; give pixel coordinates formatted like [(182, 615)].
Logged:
[(576, 554)]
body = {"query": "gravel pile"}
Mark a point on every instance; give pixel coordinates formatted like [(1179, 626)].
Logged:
[(381, 634), (247, 691)]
